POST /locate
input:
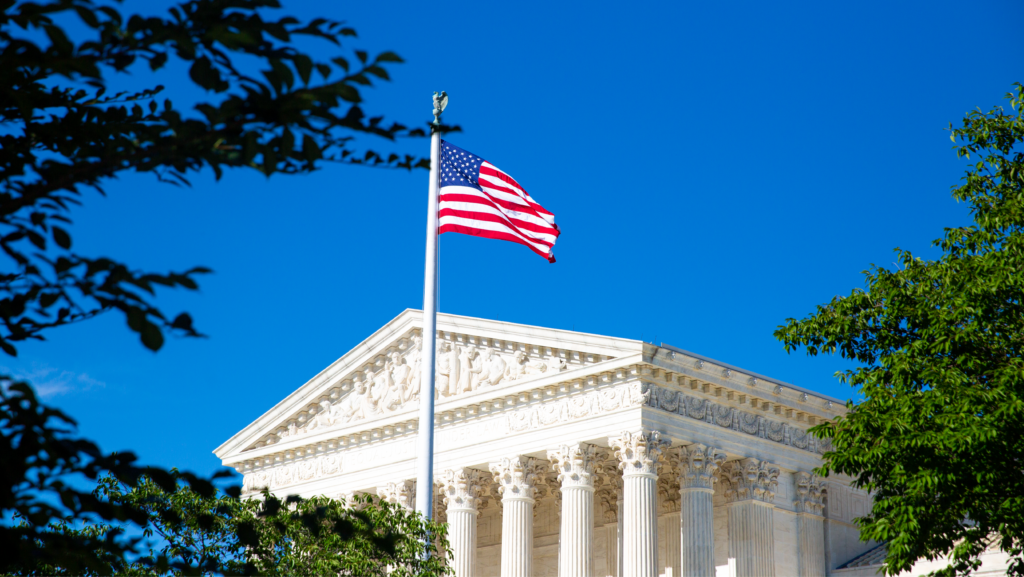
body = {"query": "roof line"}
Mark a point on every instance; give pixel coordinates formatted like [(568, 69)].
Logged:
[(753, 374)]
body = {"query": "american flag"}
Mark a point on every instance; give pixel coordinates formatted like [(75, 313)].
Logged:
[(479, 199)]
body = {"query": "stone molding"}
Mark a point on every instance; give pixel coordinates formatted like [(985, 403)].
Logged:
[(518, 477), (402, 493), (698, 466), (575, 464), (541, 408), (724, 416), (389, 382), (639, 453), (810, 494), (750, 480)]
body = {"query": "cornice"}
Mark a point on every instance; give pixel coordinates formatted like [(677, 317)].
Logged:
[(457, 410), (735, 387), (328, 383)]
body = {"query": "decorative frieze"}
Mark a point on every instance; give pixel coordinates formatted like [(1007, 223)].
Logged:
[(389, 383), (724, 416), (750, 479)]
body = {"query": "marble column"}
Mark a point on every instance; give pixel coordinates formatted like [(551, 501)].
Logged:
[(401, 493), (517, 478), (462, 490), (639, 456), (810, 492), (750, 487), (697, 473), (609, 523), (668, 508), (575, 465)]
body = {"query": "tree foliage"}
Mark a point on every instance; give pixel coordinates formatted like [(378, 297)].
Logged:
[(269, 107), (44, 467), (939, 436), (219, 534), (272, 108)]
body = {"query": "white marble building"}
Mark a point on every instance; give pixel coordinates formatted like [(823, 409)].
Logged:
[(565, 453)]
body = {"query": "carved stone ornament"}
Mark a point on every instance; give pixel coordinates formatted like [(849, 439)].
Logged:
[(750, 479), (391, 383), (729, 417), (699, 466), (668, 495), (402, 493), (639, 453), (810, 494), (464, 489), (517, 477), (575, 464)]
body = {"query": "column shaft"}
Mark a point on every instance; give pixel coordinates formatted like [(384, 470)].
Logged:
[(517, 479), (811, 531), (462, 539), (751, 538), (461, 489), (576, 540), (810, 494), (517, 537), (575, 465), (697, 533), (640, 526), (698, 473), (672, 551), (639, 455)]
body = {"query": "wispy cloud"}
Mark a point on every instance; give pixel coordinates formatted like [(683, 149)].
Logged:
[(51, 382)]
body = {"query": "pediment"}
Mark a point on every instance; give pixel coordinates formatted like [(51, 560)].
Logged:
[(379, 379)]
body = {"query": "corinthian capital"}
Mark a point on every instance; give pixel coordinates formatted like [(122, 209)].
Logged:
[(810, 493), (517, 477), (402, 493), (463, 489), (575, 464), (750, 479), (699, 466), (639, 453)]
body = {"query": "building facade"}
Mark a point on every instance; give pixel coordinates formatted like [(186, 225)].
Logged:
[(565, 453)]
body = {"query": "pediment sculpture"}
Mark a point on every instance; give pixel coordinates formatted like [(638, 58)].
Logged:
[(392, 382)]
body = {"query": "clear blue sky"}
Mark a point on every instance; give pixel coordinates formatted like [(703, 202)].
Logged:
[(715, 168)]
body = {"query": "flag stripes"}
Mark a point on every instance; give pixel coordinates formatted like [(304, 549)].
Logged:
[(478, 199)]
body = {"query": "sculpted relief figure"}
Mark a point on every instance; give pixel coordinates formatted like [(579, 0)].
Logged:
[(401, 377), (392, 382), (492, 369), (468, 369), (357, 405), (521, 367), (444, 377)]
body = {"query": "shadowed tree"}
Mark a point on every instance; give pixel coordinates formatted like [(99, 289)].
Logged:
[(269, 107), (273, 108)]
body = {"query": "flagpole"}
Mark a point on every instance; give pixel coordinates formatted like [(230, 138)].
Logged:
[(425, 466)]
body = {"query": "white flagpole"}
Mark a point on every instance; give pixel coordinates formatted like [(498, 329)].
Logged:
[(425, 472)]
